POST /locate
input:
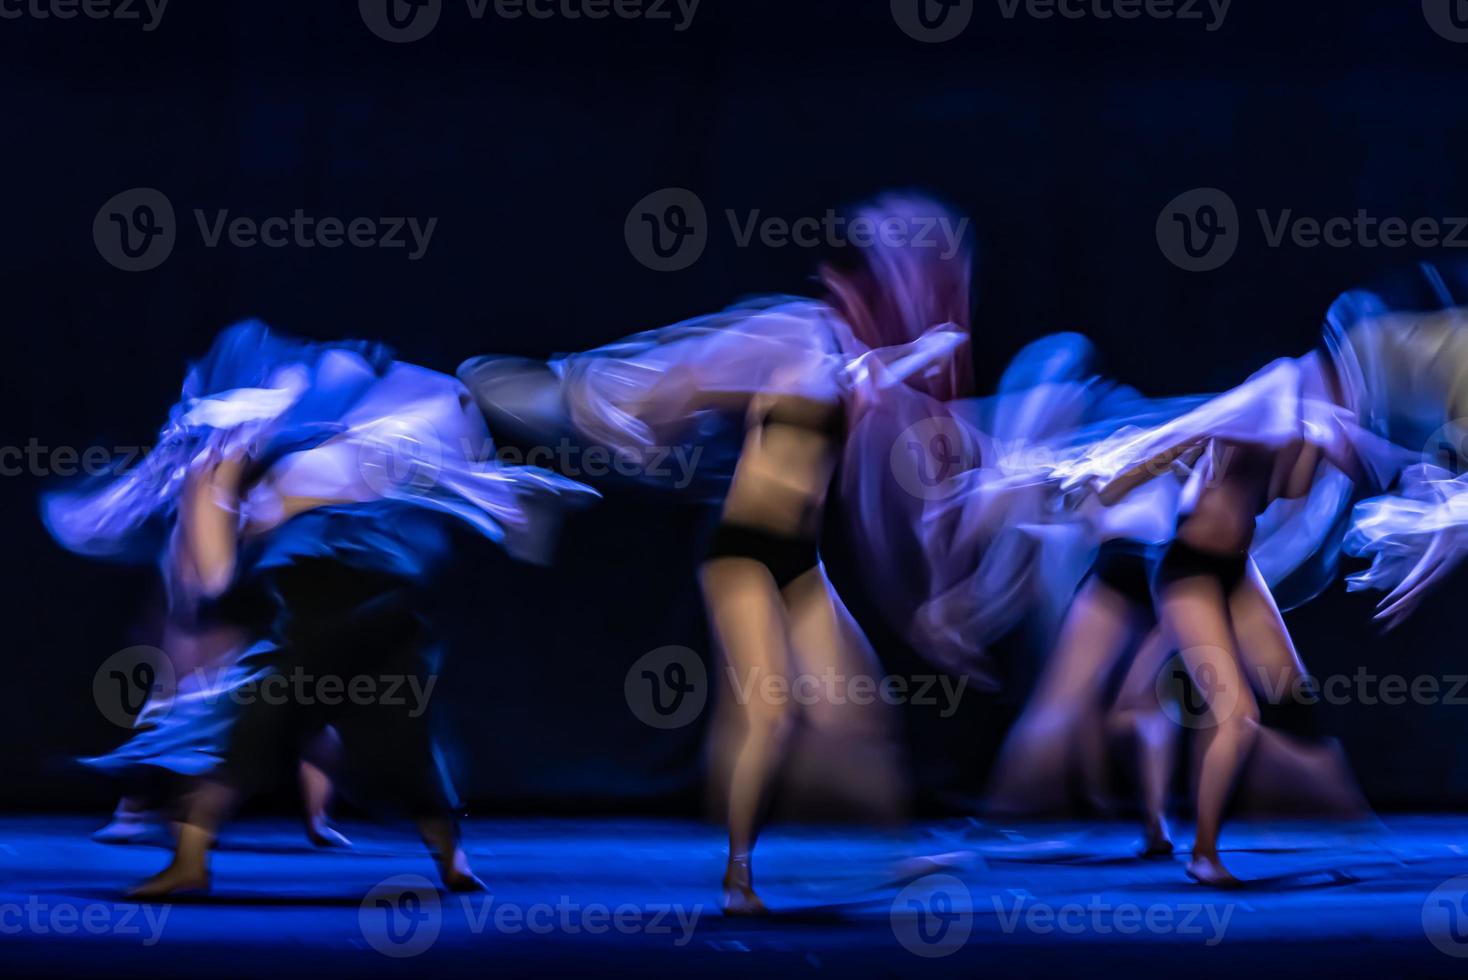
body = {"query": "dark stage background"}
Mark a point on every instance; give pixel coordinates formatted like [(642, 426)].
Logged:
[(530, 141)]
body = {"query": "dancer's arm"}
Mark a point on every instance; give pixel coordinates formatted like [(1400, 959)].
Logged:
[(1443, 555), (907, 360), (209, 520), (1116, 489)]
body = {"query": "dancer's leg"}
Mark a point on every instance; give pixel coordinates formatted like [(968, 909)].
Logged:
[(1271, 661), (749, 622), (1092, 760), (321, 756), (837, 671), (391, 750), (1137, 715), (1195, 612), (208, 806), (263, 744), (441, 836), (388, 745), (316, 793), (1288, 713), (1032, 772)]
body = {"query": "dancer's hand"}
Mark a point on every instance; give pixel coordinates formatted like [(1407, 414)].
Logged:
[(1441, 557)]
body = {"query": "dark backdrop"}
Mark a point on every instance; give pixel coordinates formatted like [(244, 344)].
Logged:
[(530, 141)]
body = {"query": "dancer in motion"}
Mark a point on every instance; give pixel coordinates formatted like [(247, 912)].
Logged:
[(1058, 743), (797, 376), (198, 653), (1288, 430), (1414, 358), (302, 489), (771, 604)]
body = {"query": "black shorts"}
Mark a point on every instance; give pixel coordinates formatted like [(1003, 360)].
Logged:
[(1125, 566), (1182, 561), (787, 558)]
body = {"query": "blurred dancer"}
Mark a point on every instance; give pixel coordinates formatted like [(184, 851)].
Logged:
[(1060, 738), (772, 607), (1280, 436), (1415, 368), (797, 376), (1002, 542), (301, 488), (1060, 735)]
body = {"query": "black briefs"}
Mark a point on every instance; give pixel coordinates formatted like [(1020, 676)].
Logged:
[(1125, 566), (787, 558), (1183, 561)]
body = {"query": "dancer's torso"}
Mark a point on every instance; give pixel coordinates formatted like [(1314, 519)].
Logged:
[(1238, 483), (787, 463)]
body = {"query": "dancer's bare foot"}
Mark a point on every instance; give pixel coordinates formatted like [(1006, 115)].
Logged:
[(1209, 870), (441, 836), (1157, 842), (177, 878), (739, 895), (322, 834), (457, 876)]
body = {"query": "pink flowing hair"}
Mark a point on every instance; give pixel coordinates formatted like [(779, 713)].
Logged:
[(890, 292)]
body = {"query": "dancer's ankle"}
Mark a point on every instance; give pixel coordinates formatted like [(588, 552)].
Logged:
[(457, 875)]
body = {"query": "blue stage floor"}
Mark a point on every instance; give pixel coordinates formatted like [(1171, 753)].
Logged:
[(624, 897)]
